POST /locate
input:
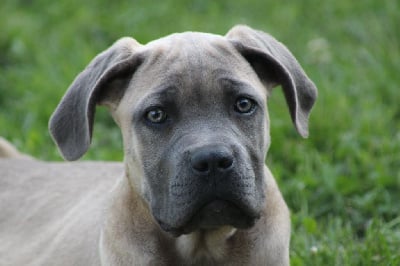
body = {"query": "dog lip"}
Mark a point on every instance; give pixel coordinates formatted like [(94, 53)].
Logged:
[(213, 214), (174, 231)]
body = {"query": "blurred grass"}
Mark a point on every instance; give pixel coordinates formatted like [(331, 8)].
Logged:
[(342, 184)]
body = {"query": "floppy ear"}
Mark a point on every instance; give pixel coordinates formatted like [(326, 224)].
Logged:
[(273, 62), (72, 122)]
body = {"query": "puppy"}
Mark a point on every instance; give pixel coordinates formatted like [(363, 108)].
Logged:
[(193, 188)]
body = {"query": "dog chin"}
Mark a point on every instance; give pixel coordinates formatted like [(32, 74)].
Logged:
[(215, 214)]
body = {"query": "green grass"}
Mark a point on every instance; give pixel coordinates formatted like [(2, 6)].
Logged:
[(342, 184)]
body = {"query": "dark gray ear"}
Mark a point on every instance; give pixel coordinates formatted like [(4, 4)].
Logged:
[(72, 122), (273, 62)]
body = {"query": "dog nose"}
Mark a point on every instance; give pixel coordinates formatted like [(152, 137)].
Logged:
[(209, 160)]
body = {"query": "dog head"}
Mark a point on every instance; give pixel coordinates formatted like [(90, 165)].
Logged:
[(192, 111)]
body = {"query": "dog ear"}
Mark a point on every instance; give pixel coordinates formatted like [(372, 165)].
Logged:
[(72, 122), (273, 62)]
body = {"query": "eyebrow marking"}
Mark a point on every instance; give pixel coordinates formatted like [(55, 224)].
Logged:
[(235, 85), (164, 90)]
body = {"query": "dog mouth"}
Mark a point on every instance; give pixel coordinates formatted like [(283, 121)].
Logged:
[(214, 214)]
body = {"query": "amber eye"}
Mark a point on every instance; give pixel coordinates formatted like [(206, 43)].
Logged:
[(244, 105), (156, 115)]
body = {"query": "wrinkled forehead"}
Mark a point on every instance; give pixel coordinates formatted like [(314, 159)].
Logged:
[(197, 62)]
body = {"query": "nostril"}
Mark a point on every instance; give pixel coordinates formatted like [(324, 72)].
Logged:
[(201, 166), (208, 160), (225, 163)]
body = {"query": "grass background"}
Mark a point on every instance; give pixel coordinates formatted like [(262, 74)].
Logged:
[(342, 184)]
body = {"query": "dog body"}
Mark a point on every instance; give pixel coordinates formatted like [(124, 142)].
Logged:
[(52, 213), (58, 213), (194, 188)]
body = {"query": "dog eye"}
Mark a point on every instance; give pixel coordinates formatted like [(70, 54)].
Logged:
[(244, 105), (156, 115)]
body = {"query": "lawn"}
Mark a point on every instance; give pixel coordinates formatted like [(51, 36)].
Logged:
[(342, 184)]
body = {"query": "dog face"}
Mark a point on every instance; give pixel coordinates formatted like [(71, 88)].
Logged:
[(201, 133), (192, 111)]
